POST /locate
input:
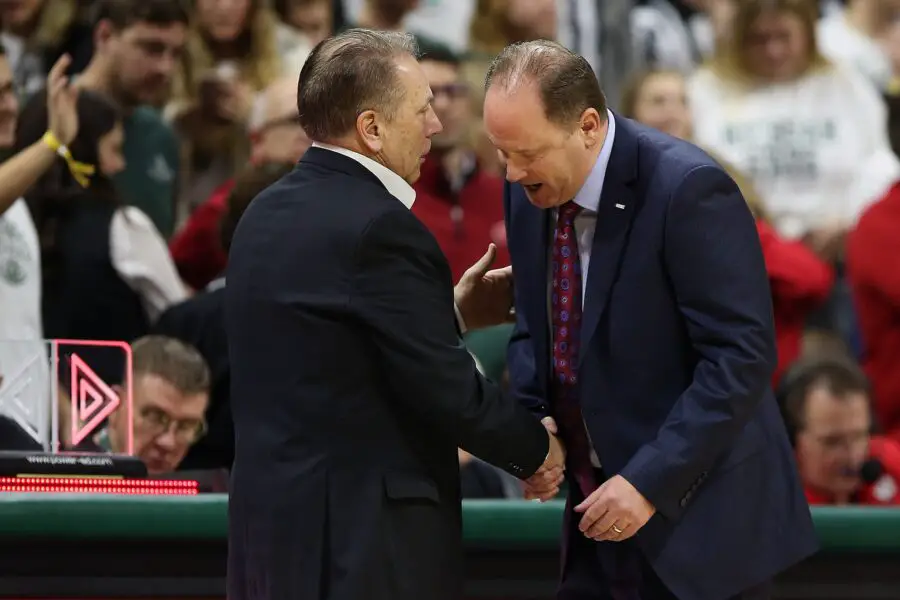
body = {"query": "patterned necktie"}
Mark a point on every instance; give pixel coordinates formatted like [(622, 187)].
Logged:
[(565, 302)]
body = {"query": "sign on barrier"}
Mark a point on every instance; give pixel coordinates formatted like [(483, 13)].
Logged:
[(62, 392)]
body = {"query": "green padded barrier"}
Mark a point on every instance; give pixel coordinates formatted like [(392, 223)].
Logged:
[(492, 524)]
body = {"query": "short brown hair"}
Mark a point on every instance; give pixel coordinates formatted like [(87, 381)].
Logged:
[(347, 74), (837, 374), (125, 13), (566, 82), (173, 360)]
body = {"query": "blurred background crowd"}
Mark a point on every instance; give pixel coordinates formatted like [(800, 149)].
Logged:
[(185, 109)]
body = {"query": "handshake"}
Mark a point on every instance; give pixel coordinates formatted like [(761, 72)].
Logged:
[(544, 484)]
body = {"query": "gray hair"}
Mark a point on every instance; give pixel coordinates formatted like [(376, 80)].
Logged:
[(178, 363), (565, 80), (347, 74)]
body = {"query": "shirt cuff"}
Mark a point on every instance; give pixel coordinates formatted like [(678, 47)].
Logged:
[(459, 319)]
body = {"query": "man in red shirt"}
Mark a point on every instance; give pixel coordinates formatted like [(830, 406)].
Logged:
[(873, 267), (461, 204), (278, 138), (827, 410)]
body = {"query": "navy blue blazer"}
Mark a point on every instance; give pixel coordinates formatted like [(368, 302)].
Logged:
[(677, 354)]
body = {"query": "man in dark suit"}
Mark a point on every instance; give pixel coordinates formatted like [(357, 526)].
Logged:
[(645, 336), (350, 387)]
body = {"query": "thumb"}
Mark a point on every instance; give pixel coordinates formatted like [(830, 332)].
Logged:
[(485, 262), (550, 424)]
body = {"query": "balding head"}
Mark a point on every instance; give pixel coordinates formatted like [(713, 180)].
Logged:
[(564, 80)]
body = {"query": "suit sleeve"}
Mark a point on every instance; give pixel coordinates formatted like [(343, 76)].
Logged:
[(715, 263), (404, 294), (523, 379)]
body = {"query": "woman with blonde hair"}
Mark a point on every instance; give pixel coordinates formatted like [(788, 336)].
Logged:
[(234, 51), (810, 135), (800, 280)]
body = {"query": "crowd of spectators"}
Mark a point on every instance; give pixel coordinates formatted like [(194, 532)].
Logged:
[(176, 113)]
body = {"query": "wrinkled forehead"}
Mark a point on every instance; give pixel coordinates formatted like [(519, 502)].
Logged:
[(514, 120)]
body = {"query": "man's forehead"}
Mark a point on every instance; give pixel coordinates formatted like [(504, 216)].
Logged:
[(148, 30), (824, 407)]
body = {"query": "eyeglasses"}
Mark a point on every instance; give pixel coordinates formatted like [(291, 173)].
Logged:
[(159, 422)]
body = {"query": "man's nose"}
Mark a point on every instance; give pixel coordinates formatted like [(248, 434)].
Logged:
[(166, 440), (514, 173), (435, 125), (166, 64)]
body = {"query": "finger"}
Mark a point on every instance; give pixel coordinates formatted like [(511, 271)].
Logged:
[(590, 500), (628, 531), (501, 275), (596, 512), (550, 424), (544, 485), (602, 527), (486, 261), (59, 68)]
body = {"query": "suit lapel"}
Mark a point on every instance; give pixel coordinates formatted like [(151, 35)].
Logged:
[(537, 224), (614, 217)]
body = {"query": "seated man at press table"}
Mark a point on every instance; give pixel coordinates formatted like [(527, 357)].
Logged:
[(826, 404), (170, 385)]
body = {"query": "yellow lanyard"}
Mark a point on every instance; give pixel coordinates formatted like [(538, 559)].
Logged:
[(81, 172)]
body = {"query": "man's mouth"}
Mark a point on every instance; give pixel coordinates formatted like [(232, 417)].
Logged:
[(532, 187)]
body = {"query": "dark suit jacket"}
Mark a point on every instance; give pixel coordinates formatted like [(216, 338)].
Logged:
[(351, 391), (200, 322), (677, 353)]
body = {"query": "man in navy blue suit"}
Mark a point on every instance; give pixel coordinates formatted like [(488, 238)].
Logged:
[(645, 337)]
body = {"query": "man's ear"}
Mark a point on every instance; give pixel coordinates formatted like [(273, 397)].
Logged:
[(103, 32), (369, 131)]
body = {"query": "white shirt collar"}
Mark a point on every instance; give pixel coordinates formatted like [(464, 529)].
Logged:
[(396, 185), (588, 197)]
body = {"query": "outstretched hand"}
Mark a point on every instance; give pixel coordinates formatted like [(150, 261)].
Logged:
[(484, 296), (62, 99)]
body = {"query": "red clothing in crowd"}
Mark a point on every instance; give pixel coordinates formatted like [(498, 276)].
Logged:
[(885, 490), (873, 267), (197, 248), (800, 281), (463, 222)]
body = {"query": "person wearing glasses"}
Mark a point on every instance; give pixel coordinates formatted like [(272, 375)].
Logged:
[(826, 404), (170, 393)]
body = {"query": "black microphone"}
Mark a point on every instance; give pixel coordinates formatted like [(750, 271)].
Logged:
[(871, 471)]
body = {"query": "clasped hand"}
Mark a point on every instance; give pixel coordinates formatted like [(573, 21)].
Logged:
[(615, 511), (485, 297), (544, 484)]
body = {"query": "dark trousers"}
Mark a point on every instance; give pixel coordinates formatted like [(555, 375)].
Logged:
[(586, 576), (617, 570)]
